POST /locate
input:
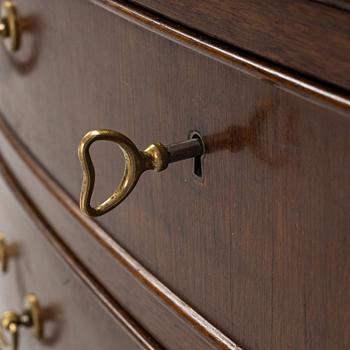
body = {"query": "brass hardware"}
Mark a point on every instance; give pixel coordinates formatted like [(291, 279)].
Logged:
[(9, 28), (11, 322), (3, 253), (155, 157)]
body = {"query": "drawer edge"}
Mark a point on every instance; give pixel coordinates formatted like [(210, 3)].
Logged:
[(213, 337), (319, 92), (144, 340)]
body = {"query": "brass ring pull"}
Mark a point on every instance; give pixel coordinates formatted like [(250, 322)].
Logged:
[(9, 28), (155, 157), (3, 254), (12, 321)]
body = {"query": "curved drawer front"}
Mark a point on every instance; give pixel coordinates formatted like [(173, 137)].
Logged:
[(257, 244), (72, 317), (283, 32), (130, 293)]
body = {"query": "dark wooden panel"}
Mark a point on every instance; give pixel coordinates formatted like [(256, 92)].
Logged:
[(286, 79), (260, 247), (304, 35), (342, 4), (161, 312), (73, 319)]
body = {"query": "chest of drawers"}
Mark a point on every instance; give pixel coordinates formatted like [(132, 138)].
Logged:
[(245, 247)]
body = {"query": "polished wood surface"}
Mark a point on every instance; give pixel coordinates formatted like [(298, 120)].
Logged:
[(72, 318), (304, 35), (286, 79), (341, 4), (174, 323), (259, 246)]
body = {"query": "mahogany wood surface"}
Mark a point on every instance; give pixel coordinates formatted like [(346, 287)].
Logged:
[(286, 79), (260, 246), (174, 323), (304, 35), (72, 318), (342, 4)]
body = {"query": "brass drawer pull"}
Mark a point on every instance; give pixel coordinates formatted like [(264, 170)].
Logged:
[(9, 28), (12, 321), (3, 254), (155, 157)]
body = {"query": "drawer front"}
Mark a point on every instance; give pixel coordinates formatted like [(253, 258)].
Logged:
[(280, 31), (72, 317), (259, 244)]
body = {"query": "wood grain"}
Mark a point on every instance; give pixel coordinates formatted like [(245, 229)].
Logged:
[(259, 247), (303, 35), (320, 92), (35, 178), (341, 4), (71, 317)]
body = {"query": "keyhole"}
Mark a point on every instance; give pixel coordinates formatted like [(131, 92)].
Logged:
[(198, 161)]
